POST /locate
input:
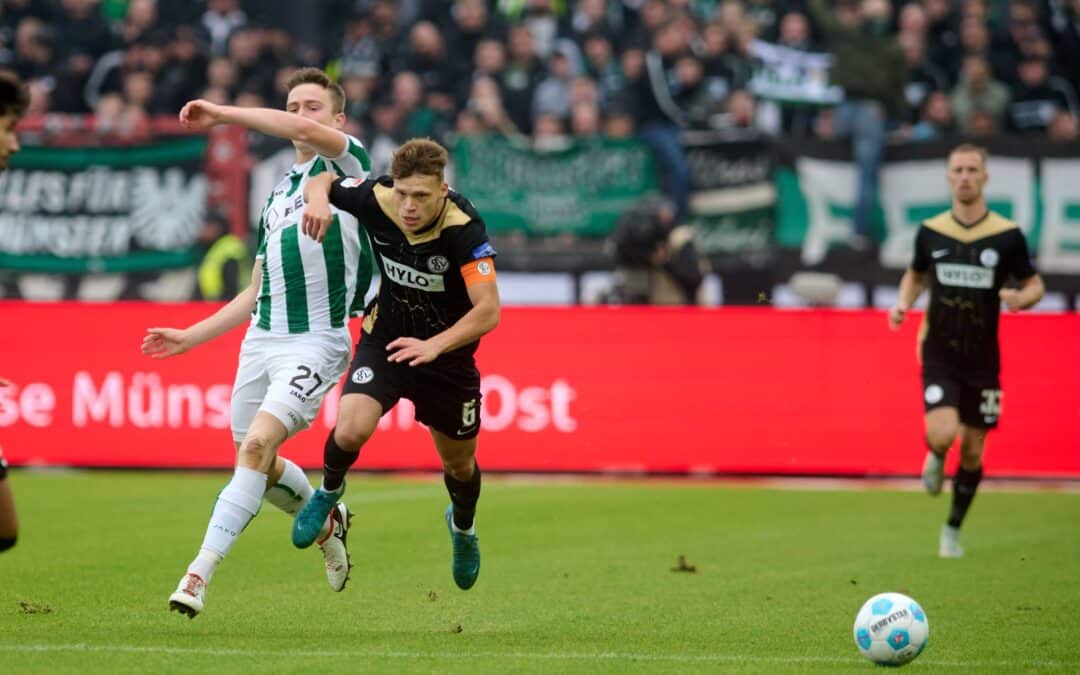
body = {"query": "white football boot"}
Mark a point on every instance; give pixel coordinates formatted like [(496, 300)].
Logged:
[(190, 596), (334, 548), (949, 544)]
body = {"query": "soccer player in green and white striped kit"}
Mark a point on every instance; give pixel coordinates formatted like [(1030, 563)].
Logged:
[(298, 344)]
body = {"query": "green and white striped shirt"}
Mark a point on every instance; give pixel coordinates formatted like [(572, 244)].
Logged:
[(308, 286)]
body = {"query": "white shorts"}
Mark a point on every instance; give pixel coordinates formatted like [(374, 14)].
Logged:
[(286, 376)]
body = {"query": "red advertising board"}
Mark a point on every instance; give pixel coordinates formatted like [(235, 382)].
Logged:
[(730, 390)]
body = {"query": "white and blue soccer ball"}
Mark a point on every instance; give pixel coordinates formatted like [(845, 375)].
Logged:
[(891, 629)]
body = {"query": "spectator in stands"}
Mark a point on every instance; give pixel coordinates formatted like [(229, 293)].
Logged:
[(602, 65), (222, 73), (35, 56), (670, 81), (978, 92), (418, 119), (255, 66), (141, 17), (982, 124), (1023, 27), (540, 17), (519, 79), (869, 66), (935, 121), (585, 120), (923, 77), (221, 19), (552, 95), (590, 18), (471, 23), (184, 72), (489, 60), (1039, 98), (943, 36), (226, 264), (1065, 35), (549, 133), (1064, 128), (438, 73)]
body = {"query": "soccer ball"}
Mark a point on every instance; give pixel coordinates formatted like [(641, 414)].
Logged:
[(891, 629)]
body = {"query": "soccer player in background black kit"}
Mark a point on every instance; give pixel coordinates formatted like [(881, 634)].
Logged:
[(965, 256), (437, 298)]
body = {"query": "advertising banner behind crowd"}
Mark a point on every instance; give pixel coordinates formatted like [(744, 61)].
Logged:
[(594, 390), (581, 189), (103, 209)]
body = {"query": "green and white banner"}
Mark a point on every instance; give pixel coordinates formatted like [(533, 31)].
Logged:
[(581, 189), (1035, 185), (93, 209), (733, 198)]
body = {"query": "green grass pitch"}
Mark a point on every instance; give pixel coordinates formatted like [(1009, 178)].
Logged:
[(576, 577)]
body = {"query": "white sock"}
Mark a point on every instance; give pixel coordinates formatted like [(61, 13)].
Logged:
[(291, 491), (470, 531), (236, 505)]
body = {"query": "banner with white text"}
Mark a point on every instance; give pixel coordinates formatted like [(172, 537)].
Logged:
[(103, 209), (638, 390)]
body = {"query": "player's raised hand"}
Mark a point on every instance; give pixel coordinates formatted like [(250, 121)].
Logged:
[(161, 343), (1011, 298), (317, 216), (200, 114), (896, 316), (412, 351)]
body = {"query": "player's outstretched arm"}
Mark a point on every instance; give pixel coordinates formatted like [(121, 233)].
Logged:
[(326, 141), (911, 287), (317, 215), (161, 343), (477, 322), (1029, 294)]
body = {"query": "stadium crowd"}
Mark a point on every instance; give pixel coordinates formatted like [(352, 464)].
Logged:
[(547, 68)]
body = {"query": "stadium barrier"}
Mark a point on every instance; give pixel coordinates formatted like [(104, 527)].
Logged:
[(684, 391)]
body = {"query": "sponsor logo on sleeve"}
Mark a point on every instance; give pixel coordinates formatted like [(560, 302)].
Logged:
[(351, 182), (484, 268), (484, 250)]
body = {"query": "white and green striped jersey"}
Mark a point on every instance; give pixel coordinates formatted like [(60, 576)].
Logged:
[(308, 286)]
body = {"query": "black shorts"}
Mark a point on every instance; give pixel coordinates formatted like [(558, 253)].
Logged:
[(446, 392), (977, 398)]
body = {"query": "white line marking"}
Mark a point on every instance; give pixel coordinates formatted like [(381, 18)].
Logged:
[(534, 656)]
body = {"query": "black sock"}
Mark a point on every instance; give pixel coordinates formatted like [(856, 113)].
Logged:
[(336, 463), (965, 483), (464, 495)]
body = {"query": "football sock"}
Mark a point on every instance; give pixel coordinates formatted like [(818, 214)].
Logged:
[(336, 463), (464, 495), (291, 491), (236, 505), (965, 483)]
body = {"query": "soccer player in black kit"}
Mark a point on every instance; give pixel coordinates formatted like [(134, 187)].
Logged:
[(964, 256), (437, 298)]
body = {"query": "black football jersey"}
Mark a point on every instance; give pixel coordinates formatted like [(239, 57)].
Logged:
[(967, 265), (422, 292)]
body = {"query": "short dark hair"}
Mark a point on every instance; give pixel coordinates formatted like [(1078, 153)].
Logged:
[(317, 76), (419, 156), (14, 96)]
